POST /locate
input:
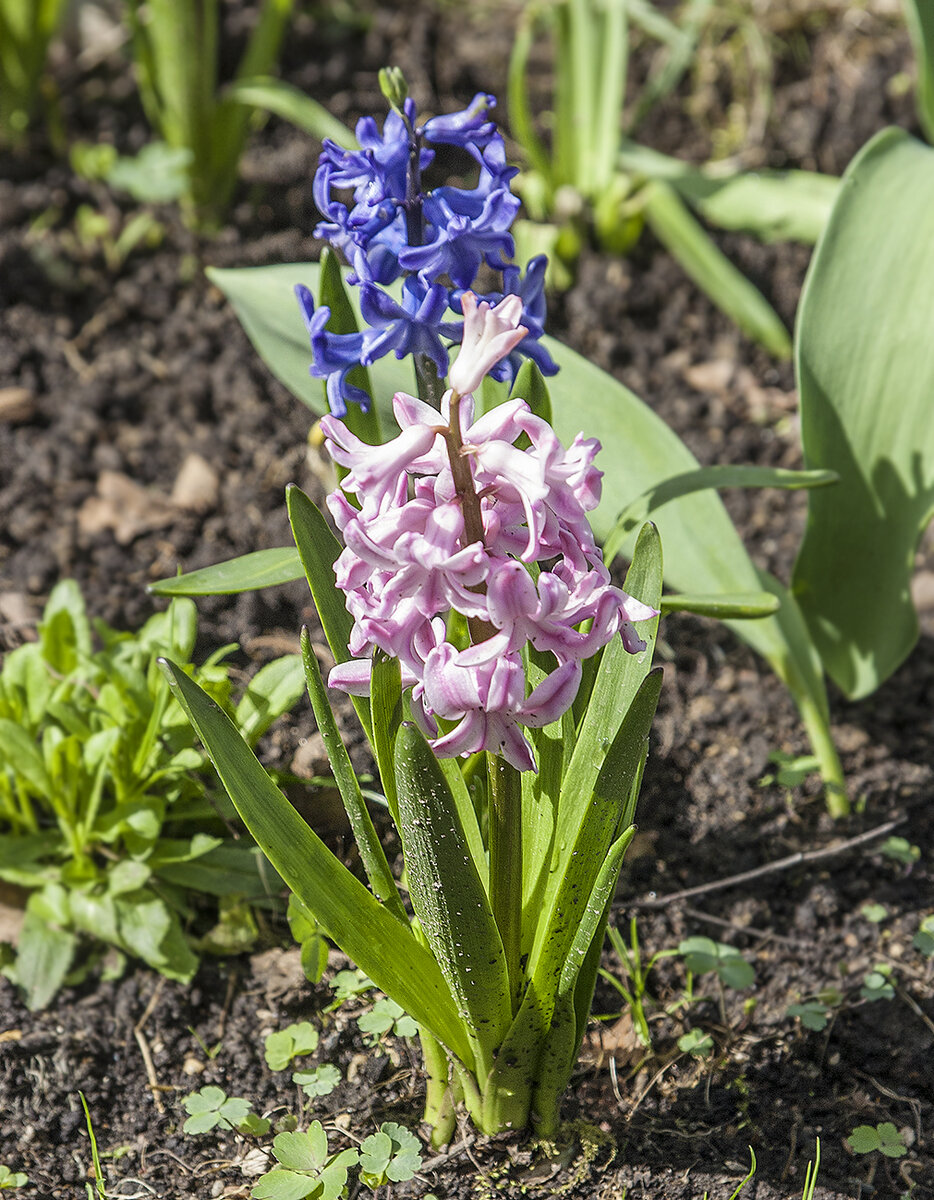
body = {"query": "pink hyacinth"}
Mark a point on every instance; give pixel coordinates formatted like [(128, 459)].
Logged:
[(454, 516)]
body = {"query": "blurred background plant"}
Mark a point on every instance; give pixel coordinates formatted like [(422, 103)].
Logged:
[(175, 49), (590, 177), (26, 29), (111, 819)]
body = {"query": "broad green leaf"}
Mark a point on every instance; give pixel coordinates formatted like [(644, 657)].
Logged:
[(21, 754), (292, 1042), (645, 506), (277, 96), (273, 690), (248, 573), (150, 930), (919, 16), (371, 851), (711, 270), (349, 914), (449, 897), (319, 550), (772, 205), (44, 957), (865, 364), (264, 300)]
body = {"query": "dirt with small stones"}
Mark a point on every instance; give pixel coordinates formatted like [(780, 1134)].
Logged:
[(138, 431)]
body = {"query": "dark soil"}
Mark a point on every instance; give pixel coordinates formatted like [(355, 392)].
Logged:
[(126, 373)]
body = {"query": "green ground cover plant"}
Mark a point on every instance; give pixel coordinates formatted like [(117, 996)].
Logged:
[(110, 815)]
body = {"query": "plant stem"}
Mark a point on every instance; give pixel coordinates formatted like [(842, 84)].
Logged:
[(439, 1105), (505, 834), (818, 730)]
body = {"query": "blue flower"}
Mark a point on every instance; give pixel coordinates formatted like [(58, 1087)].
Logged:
[(335, 354), (414, 327)]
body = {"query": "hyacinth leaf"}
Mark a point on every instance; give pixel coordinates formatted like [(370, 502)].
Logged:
[(248, 573), (530, 385), (386, 710), (747, 606), (349, 914), (371, 851), (772, 205), (649, 502), (711, 270), (449, 897), (865, 365), (919, 17), (343, 319), (319, 550), (292, 105), (264, 300)]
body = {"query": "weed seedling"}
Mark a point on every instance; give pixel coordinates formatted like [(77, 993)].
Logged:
[(289, 1043), (347, 984), (876, 985), (389, 1156), (319, 1082), (95, 1156), (305, 1168), (211, 1108), (696, 1043), (631, 958), (703, 955), (924, 938), (899, 849), (883, 1137), (12, 1179), (812, 1014), (384, 1017), (875, 913)]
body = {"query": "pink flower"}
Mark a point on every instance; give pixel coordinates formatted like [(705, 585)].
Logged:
[(489, 335)]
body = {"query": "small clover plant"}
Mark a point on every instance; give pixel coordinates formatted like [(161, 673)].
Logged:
[(812, 1014), (291, 1042), (899, 849), (308, 933), (883, 1137), (211, 1108), (305, 1167), (875, 913), (695, 1042), (384, 1017), (347, 984), (703, 954), (924, 938), (877, 983), (390, 1156), (12, 1179), (319, 1082)]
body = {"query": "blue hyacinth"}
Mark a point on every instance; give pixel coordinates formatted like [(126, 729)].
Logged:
[(436, 240)]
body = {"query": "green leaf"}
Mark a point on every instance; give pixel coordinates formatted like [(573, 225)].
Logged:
[(150, 930), (347, 911), (264, 300), (924, 938), (371, 851), (696, 1042), (292, 1042), (319, 550), (288, 102), (390, 1155), (711, 270), (749, 606), (248, 573), (273, 690), (44, 957), (319, 1082), (448, 896), (883, 1137), (638, 511), (158, 174), (21, 754), (865, 365), (772, 205), (919, 16), (703, 954), (812, 1014)]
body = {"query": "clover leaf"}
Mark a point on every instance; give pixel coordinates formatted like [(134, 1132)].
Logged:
[(924, 938), (391, 1155), (213, 1108), (696, 1042), (884, 1137), (812, 1014), (703, 954), (386, 1015), (305, 1167), (876, 985), (289, 1043), (900, 850), (12, 1179), (320, 1082)]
